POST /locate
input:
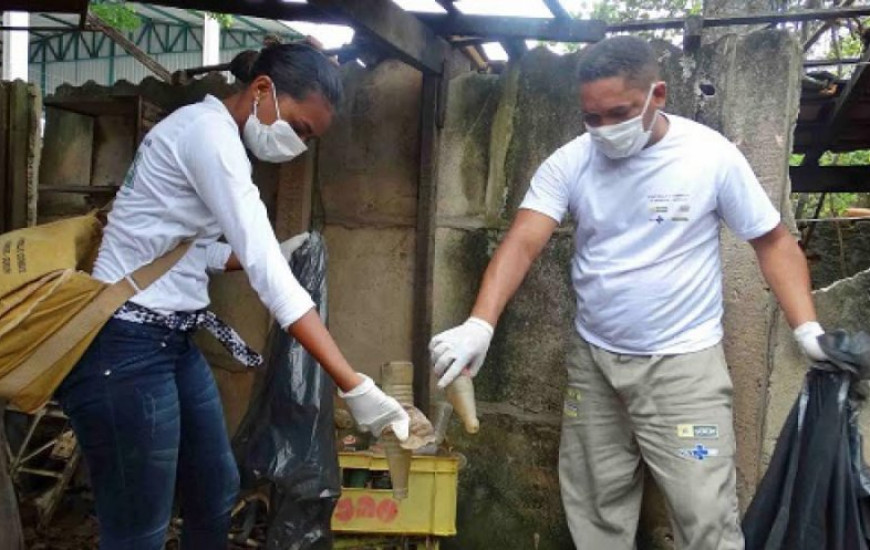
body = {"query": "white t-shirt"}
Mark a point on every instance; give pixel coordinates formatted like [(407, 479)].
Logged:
[(191, 179), (646, 265)]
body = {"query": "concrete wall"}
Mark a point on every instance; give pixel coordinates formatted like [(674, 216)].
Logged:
[(367, 181)]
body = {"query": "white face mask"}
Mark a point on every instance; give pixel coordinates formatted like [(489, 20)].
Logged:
[(276, 142), (619, 141)]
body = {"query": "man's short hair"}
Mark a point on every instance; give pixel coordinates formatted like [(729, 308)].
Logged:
[(627, 56)]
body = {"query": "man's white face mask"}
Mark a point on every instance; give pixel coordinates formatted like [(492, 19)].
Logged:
[(619, 141), (276, 142)]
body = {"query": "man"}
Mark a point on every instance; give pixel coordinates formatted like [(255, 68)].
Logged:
[(647, 377)]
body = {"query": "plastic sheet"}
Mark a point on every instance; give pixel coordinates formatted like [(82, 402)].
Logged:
[(287, 438), (814, 495)]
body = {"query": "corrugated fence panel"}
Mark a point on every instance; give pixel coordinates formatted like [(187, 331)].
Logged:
[(92, 69)]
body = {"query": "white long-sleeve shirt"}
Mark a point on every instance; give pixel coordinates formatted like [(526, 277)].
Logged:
[(191, 179)]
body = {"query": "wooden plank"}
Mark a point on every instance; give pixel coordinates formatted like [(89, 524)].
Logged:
[(497, 27), (830, 179), (556, 8), (839, 117), (34, 151), (424, 270), (760, 18), (448, 7), (391, 27), (515, 47), (19, 137), (58, 6), (5, 221), (831, 62), (95, 23), (79, 189)]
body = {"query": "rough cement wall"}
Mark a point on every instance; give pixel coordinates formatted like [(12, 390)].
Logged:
[(838, 250), (499, 129), (367, 175), (757, 81)]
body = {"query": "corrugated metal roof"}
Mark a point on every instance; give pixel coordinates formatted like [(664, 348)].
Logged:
[(166, 15)]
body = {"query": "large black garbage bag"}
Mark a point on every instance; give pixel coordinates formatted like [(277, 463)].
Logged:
[(287, 438), (815, 494)]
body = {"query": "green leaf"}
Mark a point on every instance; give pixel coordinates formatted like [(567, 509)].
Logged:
[(117, 14), (224, 19)]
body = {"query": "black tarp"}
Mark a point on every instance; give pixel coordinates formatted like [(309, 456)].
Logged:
[(287, 438)]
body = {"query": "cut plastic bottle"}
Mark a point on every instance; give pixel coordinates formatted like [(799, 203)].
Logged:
[(460, 393)]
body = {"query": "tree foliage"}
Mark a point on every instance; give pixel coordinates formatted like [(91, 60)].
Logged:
[(124, 17), (117, 14)]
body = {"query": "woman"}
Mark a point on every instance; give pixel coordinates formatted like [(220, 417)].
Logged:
[(142, 400)]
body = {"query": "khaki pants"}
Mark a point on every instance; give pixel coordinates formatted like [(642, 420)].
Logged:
[(674, 412)]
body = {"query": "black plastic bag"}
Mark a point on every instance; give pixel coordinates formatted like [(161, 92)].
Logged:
[(815, 494), (287, 438)]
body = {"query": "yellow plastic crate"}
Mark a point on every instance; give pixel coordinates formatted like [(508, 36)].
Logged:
[(430, 508)]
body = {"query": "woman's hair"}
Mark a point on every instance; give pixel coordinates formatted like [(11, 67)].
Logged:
[(296, 69)]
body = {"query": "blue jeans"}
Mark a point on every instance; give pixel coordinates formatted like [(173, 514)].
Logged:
[(146, 411)]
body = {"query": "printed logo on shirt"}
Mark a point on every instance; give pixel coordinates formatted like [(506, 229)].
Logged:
[(664, 203), (698, 431), (131, 173)]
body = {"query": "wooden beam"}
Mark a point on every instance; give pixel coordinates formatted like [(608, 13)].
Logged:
[(401, 34), (424, 269), (839, 113), (556, 8), (448, 7), (831, 62), (95, 23), (750, 19), (830, 179), (55, 6), (18, 135), (497, 28), (515, 47)]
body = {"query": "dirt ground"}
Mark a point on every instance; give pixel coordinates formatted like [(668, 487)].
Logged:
[(74, 527)]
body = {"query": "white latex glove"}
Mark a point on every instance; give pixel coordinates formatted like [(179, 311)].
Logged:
[(374, 410), (289, 246), (461, 347), (807, 335)]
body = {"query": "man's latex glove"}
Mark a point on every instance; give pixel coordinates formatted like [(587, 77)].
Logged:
[(807, 335), (461, 347), (289, 246), (375, 411)]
